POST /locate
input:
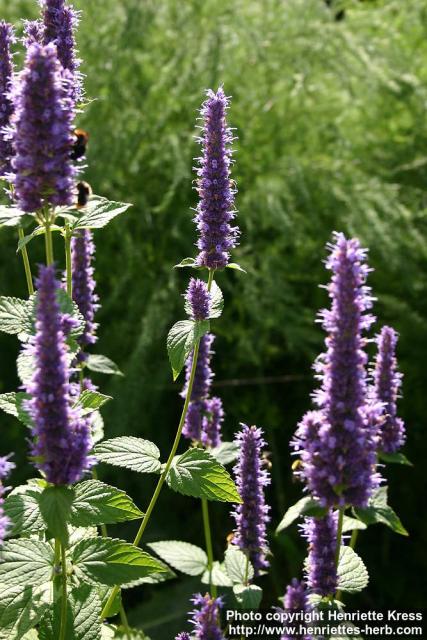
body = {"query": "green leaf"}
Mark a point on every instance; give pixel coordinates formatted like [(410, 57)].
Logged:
[(181, 341), (196, 473), (182, 556), (186, 262), (305, 507), (13, 315), (131, 453), (112, 562), (96, 427), (10, 216), (99, 212), (217, 301), (237, 267), (378, 511), (104, 593), (26, 561), (349, 524), (352, 573), (102, 364), (239, 568), (83, 623), (248, 596), (395, 458), (219, 576), (21, 609), (90, 401), (153, 578), (25, 366), (55, 506), (12, 403), (23, 511), (226, 452), (97, 503)]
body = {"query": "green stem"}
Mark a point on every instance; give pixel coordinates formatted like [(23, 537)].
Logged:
[(26, 262), (124, 619), (338, 549), (48, 242), (208, 539), (67, 240), (63, 627), (163, 475), (247, 570), (353, 540)]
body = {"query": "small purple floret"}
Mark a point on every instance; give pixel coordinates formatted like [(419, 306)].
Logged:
[(5, 468), (212, 422), (215, 210), (61, 435), (388, 381), (321, 534), (206, 617), (201, 387), (42, 171), (82, 256), (183, 636), (198, 299), (296, 599), (252, 515), (33, 32), (7, 38)]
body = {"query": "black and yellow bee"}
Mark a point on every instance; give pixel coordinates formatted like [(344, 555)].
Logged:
[(80, 143), (84, 191)]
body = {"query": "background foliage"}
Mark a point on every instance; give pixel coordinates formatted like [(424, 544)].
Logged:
[(330, 118)]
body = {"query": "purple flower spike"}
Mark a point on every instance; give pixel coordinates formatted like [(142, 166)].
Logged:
[(337, 444), (183, 636), (296, 599), (7, 37), (206, 618), (388, 382), (82, 255), (61, 434), (198, 299), (33, 32), (42, 171), (201, 387), (215, 210), (321, 534), (5, 468), (252, 515), (212, 423)]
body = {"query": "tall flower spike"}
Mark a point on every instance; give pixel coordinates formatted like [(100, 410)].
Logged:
[(295, 599), (33, 32), (337, 444), (205, 617), (212, 422), (82, 256), (198, 299), (321, 534), (215, 210), (6, 107), (5, 468), (61, 434), (201, 387), (42, 171), (252, 515)]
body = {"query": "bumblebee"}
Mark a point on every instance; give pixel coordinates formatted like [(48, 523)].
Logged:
[(80, 143), (84, 191)]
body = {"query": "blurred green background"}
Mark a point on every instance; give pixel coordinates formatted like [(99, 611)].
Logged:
[(330, 119)]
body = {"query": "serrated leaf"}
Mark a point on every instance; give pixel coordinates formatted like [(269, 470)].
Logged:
[(182, 556), (10, 216), (217, 301), (112, 562), (12, 403), (131, 453), (25, 367), (378, 511), (248, 596), (21, 608), (83, 623), (218, 576), (97, 503), (226, 452), (239, 568), (186, 262), (90, 401), (26, 561), (55, 507), (23, 511), (13, 315), (98, 213), (237, 267), (304, 507), (154, 578), (181, 341), (349, 524), (395, 458), (96, 427), (196, 473), (102, 364), (352, 573)]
